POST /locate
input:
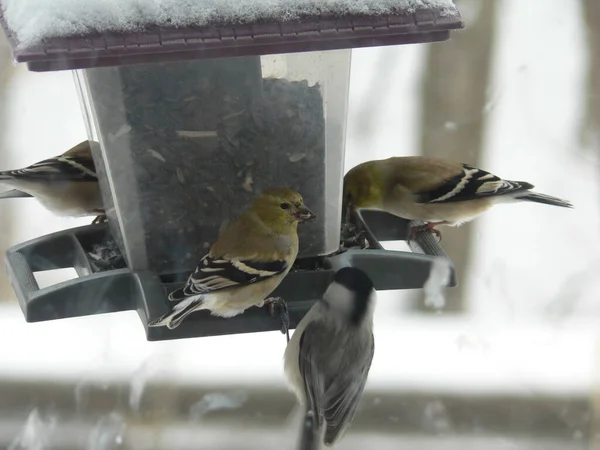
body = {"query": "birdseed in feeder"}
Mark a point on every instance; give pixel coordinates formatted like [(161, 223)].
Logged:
[(189, 145)]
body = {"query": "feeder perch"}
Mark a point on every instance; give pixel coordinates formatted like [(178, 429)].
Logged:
[(188, 125)]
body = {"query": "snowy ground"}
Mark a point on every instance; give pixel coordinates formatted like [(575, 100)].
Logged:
[(425, 354), (110, 434), (532, 324)]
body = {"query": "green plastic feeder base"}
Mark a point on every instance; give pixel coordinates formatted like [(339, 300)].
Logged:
[(105, 286)]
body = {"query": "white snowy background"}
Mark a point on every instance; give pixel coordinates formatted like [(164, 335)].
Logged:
[(531, 325)]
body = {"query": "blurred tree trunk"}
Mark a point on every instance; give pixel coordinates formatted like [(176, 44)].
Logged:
[(6, 225), (590, 130), (453, 119), (590, 139)]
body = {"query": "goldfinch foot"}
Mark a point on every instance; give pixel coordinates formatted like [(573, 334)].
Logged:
[(429, 227), (358, 240), (352, 237), (100, 218), (277, 307)]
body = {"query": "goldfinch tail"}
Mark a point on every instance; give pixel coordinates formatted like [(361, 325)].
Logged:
[(543, 198), (179, 312)]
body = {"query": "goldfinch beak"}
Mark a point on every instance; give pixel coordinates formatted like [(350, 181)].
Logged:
[(303, 214)]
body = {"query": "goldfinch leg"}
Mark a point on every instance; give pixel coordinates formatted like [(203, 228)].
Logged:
[(349, 215), (100, 218), (351, 236), (277, 307), (429, 227)]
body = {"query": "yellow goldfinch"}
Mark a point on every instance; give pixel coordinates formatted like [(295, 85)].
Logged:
[(248, 261), (433, 190), (66, 185)]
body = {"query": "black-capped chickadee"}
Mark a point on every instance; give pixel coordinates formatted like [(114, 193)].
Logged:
[(327, 361)]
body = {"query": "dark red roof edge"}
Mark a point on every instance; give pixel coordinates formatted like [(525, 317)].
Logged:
[(310, 34)]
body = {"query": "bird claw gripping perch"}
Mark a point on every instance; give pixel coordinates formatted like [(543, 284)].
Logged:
[(428, 227), (277, 307), (352, 237), (100, 218)]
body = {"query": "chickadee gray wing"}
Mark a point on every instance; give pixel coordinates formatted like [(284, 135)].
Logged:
[(342, 399), (470, 184), (333, 396), (313, 337)]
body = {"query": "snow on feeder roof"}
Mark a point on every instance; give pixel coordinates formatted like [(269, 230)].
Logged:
[(62, 34), (188, 123)]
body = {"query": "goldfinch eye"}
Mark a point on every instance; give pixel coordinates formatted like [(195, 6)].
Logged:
[(284, 206)]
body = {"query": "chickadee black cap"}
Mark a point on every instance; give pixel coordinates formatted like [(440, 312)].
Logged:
[(358, 282), (355, 280)]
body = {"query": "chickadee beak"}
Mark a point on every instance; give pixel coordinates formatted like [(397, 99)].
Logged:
[(303, 214)]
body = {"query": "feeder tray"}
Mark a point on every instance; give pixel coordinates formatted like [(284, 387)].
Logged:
[(99, 291)]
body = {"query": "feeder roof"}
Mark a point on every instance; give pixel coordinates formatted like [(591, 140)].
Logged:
[(64, 34)]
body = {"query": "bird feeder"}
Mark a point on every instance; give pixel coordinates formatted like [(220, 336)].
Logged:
[(191, 122)]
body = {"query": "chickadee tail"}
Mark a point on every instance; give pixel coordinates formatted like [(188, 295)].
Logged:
[(178, 314), (543, 198), (310, 432)]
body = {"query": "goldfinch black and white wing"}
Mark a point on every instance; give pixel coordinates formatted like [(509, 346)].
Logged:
[(470, 184), (213, 277), (220, 273), (75, 165)]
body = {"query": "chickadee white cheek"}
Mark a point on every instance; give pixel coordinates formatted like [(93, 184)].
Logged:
[(340, 298)]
